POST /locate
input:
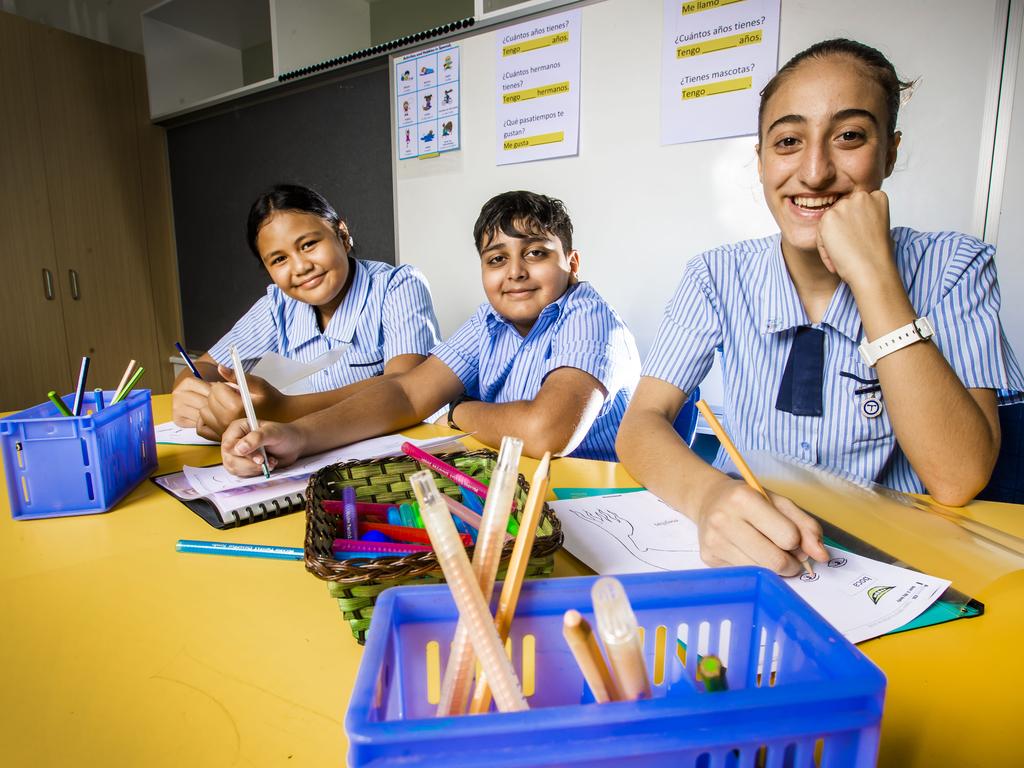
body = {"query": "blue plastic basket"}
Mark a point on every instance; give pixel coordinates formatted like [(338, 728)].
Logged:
[(59, 465), (798, 690)]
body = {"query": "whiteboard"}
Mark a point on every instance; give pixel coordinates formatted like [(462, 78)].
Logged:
[(641, 210)]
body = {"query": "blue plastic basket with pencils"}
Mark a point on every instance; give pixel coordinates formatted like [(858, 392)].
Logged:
[(58, 465), (799, 694)]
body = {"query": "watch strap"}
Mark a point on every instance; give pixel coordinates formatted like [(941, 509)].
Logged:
[(911, 333), (451, 411)]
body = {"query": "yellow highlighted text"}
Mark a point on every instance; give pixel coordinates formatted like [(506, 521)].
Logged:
[(535, 93), (705, 5), (719, 44), (534, 141), (721, 86), (538, 42)]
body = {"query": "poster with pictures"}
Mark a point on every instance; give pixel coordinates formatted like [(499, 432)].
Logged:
[(427, 102)]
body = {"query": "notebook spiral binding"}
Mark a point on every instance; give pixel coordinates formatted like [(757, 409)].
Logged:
[(283, 505)]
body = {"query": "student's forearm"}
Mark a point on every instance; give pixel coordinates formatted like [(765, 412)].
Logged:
[(372, 411), (938, 424), (940, 427), (490, 422), (292, 407), (655, 456)]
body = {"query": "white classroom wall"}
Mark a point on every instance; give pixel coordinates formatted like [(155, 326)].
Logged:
[(1010, 233), (640, 209)]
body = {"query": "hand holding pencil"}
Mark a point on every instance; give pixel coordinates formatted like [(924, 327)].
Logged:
[(745, 525)]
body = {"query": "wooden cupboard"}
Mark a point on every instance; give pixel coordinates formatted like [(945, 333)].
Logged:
[(85, 219)]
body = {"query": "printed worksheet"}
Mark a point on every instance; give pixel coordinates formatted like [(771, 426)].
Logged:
[(638, 532), (217, 479)]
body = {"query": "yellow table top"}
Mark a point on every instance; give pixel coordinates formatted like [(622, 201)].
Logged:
[(117, 650)]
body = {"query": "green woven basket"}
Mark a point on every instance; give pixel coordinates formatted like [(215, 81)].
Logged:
[(356, 583)]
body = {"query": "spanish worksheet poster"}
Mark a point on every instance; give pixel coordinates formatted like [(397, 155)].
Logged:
[(717, 55), (538, 89)]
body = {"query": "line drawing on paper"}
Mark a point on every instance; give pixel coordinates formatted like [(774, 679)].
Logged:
[(623, 531)]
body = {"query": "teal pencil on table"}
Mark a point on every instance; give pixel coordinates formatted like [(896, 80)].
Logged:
[(239, 550)]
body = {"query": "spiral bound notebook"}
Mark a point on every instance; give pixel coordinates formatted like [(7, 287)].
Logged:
[(225, 501), (241, 506)]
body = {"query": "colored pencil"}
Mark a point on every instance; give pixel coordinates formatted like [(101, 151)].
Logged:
[(737, 459)]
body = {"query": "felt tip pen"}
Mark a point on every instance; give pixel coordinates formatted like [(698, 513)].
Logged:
[(474, 611), (83, 374), (364, 509), (239, 550), (618, 628), (188, 360), (405, 533), (454, 474), (393, 548), (711, 672), (349, 520), (64, 410)]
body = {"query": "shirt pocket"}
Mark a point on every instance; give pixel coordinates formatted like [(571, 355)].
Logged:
[(363, 364), (864, 430)]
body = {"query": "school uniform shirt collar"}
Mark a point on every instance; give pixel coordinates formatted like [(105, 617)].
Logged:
[(547, 316), (780, 308), (342, 326)]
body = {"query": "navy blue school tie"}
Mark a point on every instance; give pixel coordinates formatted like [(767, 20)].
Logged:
[(800, 390)]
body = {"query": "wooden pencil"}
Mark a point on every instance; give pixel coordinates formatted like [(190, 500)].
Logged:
[(583, 644), (737, 459)]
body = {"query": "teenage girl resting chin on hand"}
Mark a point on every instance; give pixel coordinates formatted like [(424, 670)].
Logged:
[(917, 411)]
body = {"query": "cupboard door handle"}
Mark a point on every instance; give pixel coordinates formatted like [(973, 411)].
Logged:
[(73, 276), (48, 284)]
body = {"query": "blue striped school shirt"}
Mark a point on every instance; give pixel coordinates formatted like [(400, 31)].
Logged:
[(740, 300), (578, 330), (386, 312)]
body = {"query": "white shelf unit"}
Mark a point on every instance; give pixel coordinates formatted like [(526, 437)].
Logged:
[(200, 53), (197, 51)]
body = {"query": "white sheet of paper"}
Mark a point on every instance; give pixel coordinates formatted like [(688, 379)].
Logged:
[(217, 479), (170, 433), (291, 377), (638, 532)]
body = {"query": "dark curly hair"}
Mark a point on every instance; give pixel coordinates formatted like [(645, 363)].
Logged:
[(537, 214)]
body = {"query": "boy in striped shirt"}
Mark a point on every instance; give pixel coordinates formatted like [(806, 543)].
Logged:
[(545, 359)]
